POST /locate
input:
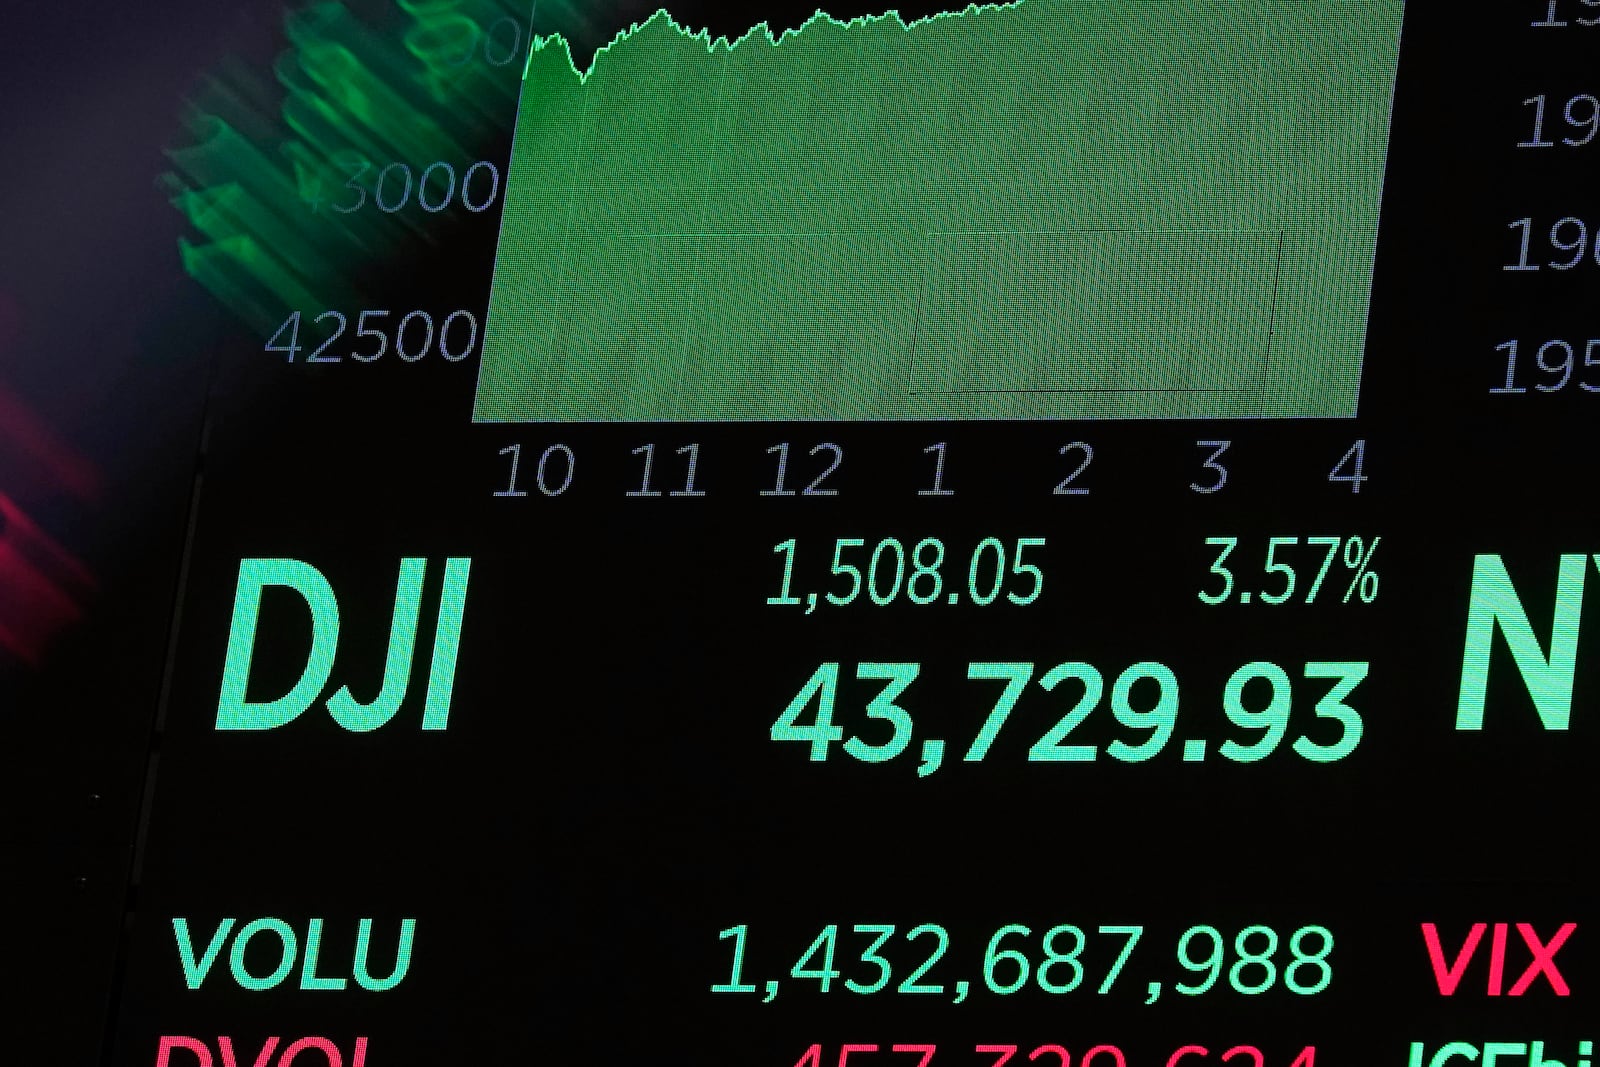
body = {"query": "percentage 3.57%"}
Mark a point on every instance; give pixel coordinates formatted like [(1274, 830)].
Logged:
[(1295, 569)]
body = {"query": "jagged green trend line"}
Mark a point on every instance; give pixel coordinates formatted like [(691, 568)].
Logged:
[(1048, 208), (556, 40)]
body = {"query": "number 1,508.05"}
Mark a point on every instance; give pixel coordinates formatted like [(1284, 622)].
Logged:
[(888, 572)]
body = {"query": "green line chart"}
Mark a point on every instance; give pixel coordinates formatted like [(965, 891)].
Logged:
[(1041, 209)]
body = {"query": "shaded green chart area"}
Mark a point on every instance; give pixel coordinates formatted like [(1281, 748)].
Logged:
[(1048, 209)]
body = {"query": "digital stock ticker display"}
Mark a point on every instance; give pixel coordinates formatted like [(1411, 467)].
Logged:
[(1052, 532)]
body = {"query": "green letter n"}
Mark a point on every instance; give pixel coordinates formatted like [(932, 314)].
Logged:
[(1548, 678)]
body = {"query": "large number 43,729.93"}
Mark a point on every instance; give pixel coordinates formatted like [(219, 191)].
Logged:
[(1144, 699)]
